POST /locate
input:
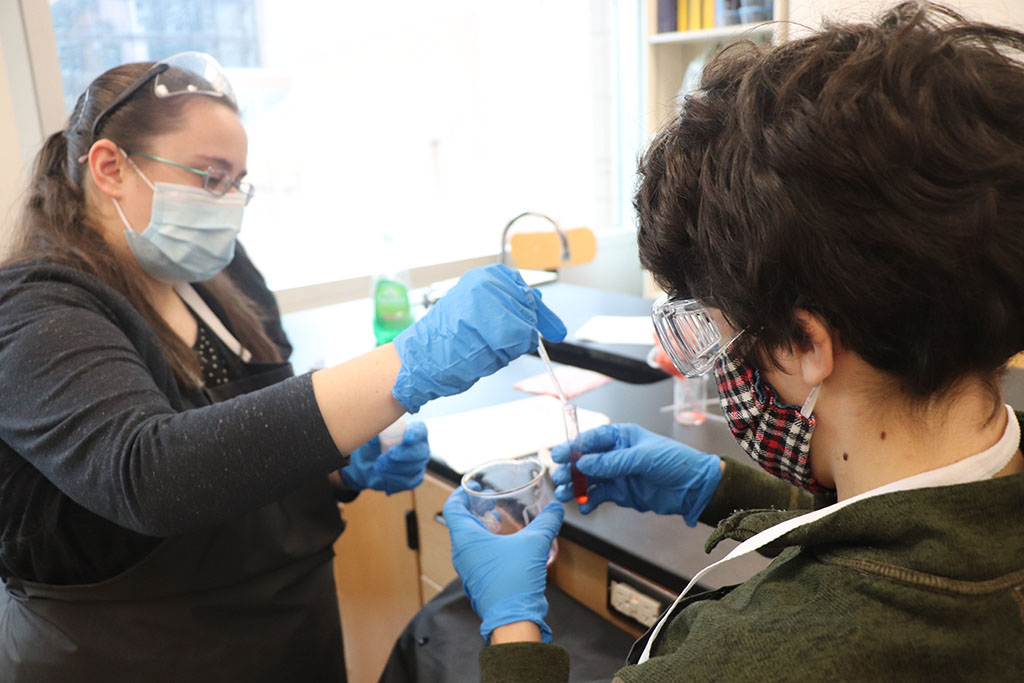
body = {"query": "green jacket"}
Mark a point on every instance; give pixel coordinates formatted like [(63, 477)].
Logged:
[(925, 584)]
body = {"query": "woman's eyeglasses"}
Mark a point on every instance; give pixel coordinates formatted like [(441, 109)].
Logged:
[(216, 181)]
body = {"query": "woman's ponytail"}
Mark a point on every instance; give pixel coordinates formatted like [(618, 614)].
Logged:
[(55, 202)]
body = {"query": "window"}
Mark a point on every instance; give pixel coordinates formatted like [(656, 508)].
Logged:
[(394, 133), (95, 35)]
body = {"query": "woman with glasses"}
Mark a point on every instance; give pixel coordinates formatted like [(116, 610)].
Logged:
[(165, 506), (840, 222)]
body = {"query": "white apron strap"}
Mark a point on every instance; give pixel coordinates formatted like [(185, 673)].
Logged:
[(200, 308), (984, 465)]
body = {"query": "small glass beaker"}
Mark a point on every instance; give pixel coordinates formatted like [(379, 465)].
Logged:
[(507, 494), (689, 395), (392, 434)]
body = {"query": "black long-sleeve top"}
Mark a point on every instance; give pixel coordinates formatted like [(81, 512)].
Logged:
[(102, 454)]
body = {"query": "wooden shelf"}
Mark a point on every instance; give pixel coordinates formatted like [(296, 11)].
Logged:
[(669, 55), (710, 34)]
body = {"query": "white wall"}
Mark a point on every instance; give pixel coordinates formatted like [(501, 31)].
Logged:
[(10, 156), (809, 12), (31, 97)]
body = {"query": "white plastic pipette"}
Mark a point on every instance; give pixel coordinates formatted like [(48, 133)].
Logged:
[(551, 370), (572, 429)]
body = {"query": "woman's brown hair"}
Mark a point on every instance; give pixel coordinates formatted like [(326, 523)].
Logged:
[(54, 224)]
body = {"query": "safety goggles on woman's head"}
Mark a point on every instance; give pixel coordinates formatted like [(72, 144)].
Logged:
[(692, 336), (186, 73)]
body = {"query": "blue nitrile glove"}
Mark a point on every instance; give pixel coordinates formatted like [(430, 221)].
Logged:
[(400, 468), (489, 318), (504, 576), (635, 468)]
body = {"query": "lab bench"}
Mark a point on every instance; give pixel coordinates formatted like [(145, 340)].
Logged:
[(395, 553), (646, 548)]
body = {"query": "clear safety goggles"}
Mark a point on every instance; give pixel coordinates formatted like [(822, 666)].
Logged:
[(693, 336), (186, 73)]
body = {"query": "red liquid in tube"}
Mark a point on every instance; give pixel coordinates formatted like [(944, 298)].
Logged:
[(579, 481), (572, 433)]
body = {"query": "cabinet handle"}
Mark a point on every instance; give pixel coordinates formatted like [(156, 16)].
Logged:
[(439, 518), (412, 534)]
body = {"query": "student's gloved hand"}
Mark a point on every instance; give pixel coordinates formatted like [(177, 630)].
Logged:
[(635, 468), (489, 318), (400, 468), (504, 576)]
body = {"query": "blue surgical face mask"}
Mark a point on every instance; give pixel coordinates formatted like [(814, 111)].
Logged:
[(191, 233)]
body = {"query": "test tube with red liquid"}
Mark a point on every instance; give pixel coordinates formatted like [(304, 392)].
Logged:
[(572, 429), (572, 435)]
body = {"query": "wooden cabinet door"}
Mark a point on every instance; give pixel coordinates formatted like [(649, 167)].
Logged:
[(436, 568), (378, 580)]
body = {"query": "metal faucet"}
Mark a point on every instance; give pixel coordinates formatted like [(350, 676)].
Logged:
[(503, 256)]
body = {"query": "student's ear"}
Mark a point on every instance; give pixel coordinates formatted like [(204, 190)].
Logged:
[(815, 357), (108, 167)]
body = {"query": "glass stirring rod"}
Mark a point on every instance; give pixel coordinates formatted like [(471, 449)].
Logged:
[(572, 430)]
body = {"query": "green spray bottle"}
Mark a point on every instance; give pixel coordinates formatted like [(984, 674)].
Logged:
[(392, 312)]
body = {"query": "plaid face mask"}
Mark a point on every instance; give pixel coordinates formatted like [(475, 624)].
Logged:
[(776, 437)]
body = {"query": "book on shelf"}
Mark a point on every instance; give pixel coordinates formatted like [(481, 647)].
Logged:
[(693, 19), (755, 11), (667, 19), (691, 15), (683, 15), (707, 14), (727, 12)]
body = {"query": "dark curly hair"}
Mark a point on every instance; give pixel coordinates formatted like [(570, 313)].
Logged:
[(870, 173)]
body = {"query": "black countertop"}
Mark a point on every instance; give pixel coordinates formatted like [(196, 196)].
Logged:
[(661, 548), (575, 305)]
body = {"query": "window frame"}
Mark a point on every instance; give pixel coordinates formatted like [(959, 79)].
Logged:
[(32, 107), (31, 99)]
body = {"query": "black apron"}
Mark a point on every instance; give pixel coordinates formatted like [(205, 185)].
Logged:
[(249, 600)]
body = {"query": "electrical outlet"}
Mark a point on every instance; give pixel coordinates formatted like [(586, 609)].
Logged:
[(635, 598)]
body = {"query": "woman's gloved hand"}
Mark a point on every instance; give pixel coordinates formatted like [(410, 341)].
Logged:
[(489, 318), (635, 468), (400, 468), (504, 576)]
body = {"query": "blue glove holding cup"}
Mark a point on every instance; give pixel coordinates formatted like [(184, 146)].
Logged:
[(504, 576)]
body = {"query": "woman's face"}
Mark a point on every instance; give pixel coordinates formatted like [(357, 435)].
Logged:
[(211, 136)]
